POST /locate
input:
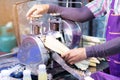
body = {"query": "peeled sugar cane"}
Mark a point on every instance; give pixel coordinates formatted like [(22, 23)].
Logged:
[(94, 60), (93, 39), (54, 44), (83, 65)]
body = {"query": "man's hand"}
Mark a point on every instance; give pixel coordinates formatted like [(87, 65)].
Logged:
[(75, 55), (37, 11)]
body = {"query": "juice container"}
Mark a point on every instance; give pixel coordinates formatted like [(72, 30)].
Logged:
[(42, 74)]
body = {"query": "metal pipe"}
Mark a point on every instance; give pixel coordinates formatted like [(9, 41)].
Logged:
[(61, 2)]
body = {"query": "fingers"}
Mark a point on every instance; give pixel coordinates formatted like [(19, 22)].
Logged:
[(34, 17), (34, 12), (37, 11), (68, 58), (65, 55), (72, 60), (30, 12)]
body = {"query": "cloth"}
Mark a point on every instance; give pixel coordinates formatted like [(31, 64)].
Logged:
[(113, 31), (97, 7), (103, 76)]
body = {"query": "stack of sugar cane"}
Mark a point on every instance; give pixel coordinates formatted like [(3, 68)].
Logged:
[(84, 64), (93, 61), (95, 40)]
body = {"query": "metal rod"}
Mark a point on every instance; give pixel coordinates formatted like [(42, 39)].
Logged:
[(60, 2), (67, 3)]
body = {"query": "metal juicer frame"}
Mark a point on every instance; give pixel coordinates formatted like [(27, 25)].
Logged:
[(55, 29)]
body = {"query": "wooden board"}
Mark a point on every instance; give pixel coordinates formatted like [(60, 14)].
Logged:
[(6, 10)]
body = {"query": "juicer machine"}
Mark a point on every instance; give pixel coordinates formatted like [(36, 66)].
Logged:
[(32, 51)]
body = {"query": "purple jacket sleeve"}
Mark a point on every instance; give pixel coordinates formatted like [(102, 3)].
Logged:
[(111, 47), (75, 14)]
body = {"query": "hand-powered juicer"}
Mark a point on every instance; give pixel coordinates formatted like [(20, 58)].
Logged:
[(33, 52)]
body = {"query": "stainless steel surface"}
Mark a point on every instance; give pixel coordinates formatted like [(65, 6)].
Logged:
[(8, 55), (69, 30), (11, 54), (32, 51), (72, 33)]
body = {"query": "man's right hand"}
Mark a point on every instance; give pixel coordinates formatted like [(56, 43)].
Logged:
[(37, 11), (75, 55)]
